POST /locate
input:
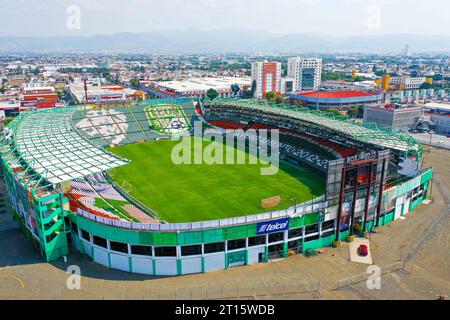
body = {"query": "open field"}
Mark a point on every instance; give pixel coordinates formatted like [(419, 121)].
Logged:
[(196, 192)]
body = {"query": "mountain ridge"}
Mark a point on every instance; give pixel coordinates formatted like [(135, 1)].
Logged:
[(225, 41)]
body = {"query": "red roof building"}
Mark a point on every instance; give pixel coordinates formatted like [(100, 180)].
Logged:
[(336, 99)]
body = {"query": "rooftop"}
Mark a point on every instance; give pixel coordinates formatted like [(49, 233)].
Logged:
[(204, 84), (435, 105), (335, 94), (49, 145), (366, 132)]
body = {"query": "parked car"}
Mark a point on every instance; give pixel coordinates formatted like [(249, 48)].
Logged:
[(363, 250)]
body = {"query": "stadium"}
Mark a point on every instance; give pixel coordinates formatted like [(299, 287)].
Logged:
[(100, 180), (340, 100)]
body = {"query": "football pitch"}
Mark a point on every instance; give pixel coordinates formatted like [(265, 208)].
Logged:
[(199, 192)]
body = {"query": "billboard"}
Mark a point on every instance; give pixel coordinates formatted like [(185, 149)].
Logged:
[(272, 226)]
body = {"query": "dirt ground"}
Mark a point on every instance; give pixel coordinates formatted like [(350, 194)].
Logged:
[(23, 274)]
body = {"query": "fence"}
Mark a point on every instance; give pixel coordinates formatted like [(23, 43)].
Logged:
[(239, 291), (300, 209), (397, 266)]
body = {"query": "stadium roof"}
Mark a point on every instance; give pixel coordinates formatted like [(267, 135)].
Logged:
[(335, 94), (203, 84), (364, 132), (49, 145)]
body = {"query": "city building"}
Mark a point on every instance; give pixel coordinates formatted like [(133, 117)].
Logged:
[(399, 117), (287, 85), (441, 123), (440, 116), (335, 99), (307, 73), (403, 82), (195, 87), (267, 76), (39, 97), (385, 82), (101, 94)]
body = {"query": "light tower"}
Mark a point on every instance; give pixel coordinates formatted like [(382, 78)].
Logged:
[(85, 90)]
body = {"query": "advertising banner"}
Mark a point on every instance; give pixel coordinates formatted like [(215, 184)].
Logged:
[(272, 226)]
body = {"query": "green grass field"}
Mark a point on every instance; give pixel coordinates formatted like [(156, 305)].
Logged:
[(189, 193)]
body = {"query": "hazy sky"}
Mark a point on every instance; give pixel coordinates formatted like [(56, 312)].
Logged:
[(333, 17)]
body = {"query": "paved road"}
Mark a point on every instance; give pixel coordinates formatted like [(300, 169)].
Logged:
[(424, 138)]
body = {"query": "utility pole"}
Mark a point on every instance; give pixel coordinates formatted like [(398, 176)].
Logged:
[(294, 199), (318, 98), (85, 90)]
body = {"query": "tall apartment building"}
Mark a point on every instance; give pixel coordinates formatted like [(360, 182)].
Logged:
[(267, 76), (307, 73)]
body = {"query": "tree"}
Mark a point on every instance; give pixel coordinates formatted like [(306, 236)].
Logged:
[(135, 83), (235, 88), (212, 94), (425, 85), (336, 112), (279, 99), (270, 96)]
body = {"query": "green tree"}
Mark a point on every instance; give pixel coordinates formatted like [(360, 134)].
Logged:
[(235, 88), (270, 96), (336, 112), (212, 94), (425, 85), (135, 83), (279, 99)]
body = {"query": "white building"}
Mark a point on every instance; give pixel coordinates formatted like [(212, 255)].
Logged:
[(407, 82), (101, 94), (307, 73), (267, 76), (198, 87)]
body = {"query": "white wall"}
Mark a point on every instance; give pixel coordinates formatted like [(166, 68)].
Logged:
[(166, 266), (142, 265), (101, 256), (87, 248), (215, 261), (191, 265), (119, 261), (253, 253)]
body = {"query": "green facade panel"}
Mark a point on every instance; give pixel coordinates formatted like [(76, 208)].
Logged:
[(164, 238), (319, 243), (426, 176), (296, 222), (187, 238), (415, 204), (311, 218), (239, 232), (388, 218)]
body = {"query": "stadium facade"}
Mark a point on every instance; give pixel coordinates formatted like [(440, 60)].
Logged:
[(335, 99), (55, 168)]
